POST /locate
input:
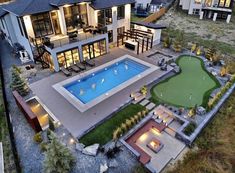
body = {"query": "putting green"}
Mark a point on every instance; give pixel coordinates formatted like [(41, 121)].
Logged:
[(192, 86)]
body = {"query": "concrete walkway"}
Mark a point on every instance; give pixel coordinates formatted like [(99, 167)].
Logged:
[(1, 159)]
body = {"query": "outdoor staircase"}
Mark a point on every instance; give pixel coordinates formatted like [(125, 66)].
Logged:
[(38, 57)]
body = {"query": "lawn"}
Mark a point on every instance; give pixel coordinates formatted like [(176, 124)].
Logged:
[(215, 146), (191, 87), (104, 132)]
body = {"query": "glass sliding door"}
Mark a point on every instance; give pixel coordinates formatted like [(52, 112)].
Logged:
[(93, 50), (68, 57)]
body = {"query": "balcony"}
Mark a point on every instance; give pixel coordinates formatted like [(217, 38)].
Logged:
[(215, 7)]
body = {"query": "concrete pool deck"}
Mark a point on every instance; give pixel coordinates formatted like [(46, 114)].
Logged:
[(79, 123)]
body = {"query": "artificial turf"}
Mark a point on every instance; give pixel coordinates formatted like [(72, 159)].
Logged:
[(104, 132), (191, 87)]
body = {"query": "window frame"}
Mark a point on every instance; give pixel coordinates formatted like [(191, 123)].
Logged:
[(120, 10)]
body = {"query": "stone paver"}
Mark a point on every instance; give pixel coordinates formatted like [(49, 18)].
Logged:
[(144, 102), (150, 106)]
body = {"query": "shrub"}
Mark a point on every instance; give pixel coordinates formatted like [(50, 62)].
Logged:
[(133, 122), (43, 146), (190, 128), (128, 124), (38, 138), (117, 133), (123, 127), (144, 90), (136, 118)]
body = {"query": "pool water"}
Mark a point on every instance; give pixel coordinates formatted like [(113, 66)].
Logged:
[(101, 82)]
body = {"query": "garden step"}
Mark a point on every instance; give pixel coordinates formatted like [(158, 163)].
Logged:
[(144, 102)]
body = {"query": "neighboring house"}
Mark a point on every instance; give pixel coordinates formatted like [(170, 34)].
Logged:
[(153, 5), (61, 32), (212, 9)]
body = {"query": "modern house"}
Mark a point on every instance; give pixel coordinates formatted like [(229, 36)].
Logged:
[(211, 9), (61, 32)]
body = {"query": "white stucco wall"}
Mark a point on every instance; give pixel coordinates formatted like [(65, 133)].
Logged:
[(19, 38), (5, 29)]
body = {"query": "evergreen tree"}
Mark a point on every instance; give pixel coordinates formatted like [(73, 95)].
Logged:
[(18, 83), (58, 158)]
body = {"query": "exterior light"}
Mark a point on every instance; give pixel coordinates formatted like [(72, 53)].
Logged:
[(72, 140)]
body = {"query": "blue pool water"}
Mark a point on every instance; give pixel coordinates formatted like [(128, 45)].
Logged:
[(100, 82)]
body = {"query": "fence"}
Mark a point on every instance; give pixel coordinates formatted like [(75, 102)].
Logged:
[(153, 17), (11, 133)]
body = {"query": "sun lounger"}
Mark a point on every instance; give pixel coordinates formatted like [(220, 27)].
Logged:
[(79, 65), (66, 72), (75, 68), (90, 63)]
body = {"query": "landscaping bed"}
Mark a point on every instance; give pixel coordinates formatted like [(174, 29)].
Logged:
[(104, 132), (215, 146)]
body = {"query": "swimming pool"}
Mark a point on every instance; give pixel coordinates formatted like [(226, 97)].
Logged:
[(90, 88)]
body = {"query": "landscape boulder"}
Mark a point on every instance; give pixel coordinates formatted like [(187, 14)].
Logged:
[(103, 168), (91, 150), (201, 110)]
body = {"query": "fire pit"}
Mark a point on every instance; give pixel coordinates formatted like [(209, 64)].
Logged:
[(155, 145)]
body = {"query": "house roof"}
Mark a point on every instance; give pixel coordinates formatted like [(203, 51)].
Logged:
[(149, 25), (26, 7), (2, 12), (157, 2), (63, 2), (102, 4)]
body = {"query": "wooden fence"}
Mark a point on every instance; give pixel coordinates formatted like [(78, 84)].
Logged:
[(153, 17)]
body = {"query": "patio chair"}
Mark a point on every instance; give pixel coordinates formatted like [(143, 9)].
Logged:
[(79, 65), (90, 63), (65, 71), (74, 68)]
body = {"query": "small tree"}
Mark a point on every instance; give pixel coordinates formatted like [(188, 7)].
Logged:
[(19, 84), (193, 48), (58, 158)]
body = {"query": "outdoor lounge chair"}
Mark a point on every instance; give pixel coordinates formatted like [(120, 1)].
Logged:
[(74, 68), (90, 63), (79, 65), (66, 72)]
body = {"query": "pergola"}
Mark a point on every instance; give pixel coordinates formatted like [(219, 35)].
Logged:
[(142, 33)]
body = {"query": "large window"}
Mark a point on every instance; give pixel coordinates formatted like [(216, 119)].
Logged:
[(110, 35), (94, 49), (121, 12), (104, 17), (75, 16), (41, 24), (68, 57)]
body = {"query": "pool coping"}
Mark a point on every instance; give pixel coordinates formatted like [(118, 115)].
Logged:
[(84, 107)]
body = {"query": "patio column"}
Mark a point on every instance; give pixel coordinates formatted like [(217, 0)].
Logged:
[(201, 15), (209, 15), (215, 16), (228, 18)]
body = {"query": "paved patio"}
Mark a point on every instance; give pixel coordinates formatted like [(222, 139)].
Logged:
[(171, 149), (76, 122)]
